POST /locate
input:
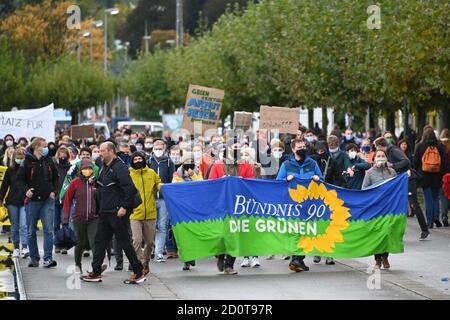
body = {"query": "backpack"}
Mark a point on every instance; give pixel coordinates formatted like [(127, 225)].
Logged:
[(446, 185), (431, 160)]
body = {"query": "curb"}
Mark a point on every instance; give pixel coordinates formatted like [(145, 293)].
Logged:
[(19, 279)]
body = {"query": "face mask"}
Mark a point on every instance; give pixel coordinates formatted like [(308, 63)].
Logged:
[(138, 165), (19, 162), (62, 161), (9, 143), (158, 153), (95, 156), (348, 137), (197, 155), (44, 151), (139, 147), (188, 166), (245, 158), (148, 145), (380, 161), (365, 149), (125, 138), (310, 139), (277, 154), (301, 153), (352, 154), (334, 150), (86, 173), (133, 141), (175, 159)]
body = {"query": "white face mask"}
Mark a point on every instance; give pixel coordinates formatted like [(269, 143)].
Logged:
[(148, 145), (95, 155), (245, 158), (158, 153), (334, 150), (175, 159), (352, 154), (277, 154), (139, 147), (9, 143), (197, 155), (380, 161)]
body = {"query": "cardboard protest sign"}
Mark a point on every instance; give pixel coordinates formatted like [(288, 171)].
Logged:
[(82, 131), (285, 120), (243, 120), (202, 109), (29, 123)]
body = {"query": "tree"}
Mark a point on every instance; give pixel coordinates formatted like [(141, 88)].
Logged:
[(70, 85), (12, 77)]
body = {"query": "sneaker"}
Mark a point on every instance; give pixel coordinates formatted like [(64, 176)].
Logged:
[(317, 259), (33, 264), (424, 236), (245, 263), (134, 279), (25, 253), (221, 263), (270, 257), (160, 258), (172, 255), (377, 264), (57, 250), (86, 254), (146, 270), (16, 253), (445, 222), (91, 277), (192, 263), (298, 265), (438, 224), (385, 263), (50, 263), (329, 261), (63, 251), (230, 271), (118, 267), (286, 257), (254, 263), (186, 266)]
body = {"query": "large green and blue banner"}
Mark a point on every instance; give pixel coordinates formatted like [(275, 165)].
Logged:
[(253, 217)]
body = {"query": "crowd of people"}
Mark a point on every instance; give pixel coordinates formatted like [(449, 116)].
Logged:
[(108, 191)]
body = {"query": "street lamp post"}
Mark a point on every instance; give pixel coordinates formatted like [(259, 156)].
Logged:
[(110, 11), (83, 34), (179, 23)]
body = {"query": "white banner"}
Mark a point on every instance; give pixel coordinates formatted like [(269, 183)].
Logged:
[(29, 123)]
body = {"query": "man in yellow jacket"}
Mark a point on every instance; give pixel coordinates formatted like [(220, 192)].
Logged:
[(143, 218)]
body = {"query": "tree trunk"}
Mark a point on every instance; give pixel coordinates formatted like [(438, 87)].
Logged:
[(390, 121), (310, 119), (74, 117), (421, 120), (445, 114), (325, 121)]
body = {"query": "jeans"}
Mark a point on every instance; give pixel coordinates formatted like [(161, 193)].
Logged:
[(431, 204), (19, 228), (45, 211), (162, 223), (171, 244), (109, 224), (444, 206)]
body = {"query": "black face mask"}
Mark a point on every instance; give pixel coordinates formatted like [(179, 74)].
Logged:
[(301, 153), (138, 165), (51, 152), (188, 166), (62, 161)]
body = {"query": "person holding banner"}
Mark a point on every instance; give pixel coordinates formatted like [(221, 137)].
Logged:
[(15, 203), (300, 166), (378, 173), (40, 177), (229, 165), (188, 171)]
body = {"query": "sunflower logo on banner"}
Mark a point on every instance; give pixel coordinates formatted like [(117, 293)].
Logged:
[(325, 205)]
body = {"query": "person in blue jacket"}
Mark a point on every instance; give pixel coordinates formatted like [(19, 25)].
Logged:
[(301, 166), (355, 173)]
